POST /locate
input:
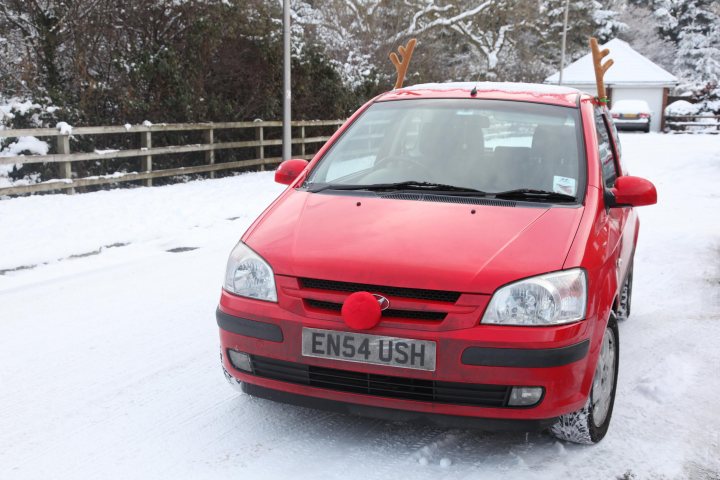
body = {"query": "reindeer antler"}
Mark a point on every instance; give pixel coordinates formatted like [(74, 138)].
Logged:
[(401, 67), (600, 68)]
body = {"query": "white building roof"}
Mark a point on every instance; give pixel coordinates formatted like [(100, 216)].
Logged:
[(630, 69)]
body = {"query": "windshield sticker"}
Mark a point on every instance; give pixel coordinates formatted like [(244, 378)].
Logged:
[(564, 185)]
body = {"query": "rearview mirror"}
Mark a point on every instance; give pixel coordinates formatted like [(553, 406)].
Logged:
[(633, 192), (289, 170)]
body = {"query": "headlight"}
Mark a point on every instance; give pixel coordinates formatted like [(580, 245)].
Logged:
[(551, 299), (248, 275)]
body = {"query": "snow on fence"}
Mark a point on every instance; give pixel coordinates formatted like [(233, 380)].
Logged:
[(693, 123), (65, 158)]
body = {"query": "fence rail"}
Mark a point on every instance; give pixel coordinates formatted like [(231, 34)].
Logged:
[(693, 123), (146, 152)]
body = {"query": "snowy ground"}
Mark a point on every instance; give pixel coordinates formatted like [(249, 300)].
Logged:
[(109, 352)]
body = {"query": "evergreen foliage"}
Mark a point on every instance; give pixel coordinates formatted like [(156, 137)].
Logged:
[(109, 62)]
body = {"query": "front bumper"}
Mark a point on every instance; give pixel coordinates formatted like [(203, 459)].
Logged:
[(557, 359), (629, 124), (394, 415)]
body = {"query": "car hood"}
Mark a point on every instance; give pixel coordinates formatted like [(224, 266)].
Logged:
[(412, 243)]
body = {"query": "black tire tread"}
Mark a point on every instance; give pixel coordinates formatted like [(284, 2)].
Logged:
[(578, 426)]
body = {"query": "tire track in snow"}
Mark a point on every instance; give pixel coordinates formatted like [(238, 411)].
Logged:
[(160, 406)]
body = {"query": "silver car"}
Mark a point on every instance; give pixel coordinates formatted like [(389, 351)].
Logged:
[(631, 115)]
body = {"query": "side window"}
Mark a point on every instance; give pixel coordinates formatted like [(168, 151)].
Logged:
[(607, 159), (616, 138)]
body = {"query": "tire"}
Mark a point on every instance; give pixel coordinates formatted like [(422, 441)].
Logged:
[(625, 300), (590, 424)]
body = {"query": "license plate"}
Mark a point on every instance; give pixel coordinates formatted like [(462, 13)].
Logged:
[(374, 349), (629, 115)]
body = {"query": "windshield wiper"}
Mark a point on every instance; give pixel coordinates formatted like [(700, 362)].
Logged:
[(528, 194), (532, 194), (408, 185)]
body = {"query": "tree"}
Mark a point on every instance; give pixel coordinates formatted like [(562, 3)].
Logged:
[(581, 25), (607, 19), (46, 29), (698, 41), (489, 29), (693, 27), (643, 35)]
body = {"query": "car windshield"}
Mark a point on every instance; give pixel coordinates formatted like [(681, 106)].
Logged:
[(490, 146)]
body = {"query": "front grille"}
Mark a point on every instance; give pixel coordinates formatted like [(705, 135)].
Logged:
[(436, 295), (389, 313), (382, 385)]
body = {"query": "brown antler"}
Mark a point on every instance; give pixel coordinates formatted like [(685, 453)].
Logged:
[(600, 68), (401, 67)]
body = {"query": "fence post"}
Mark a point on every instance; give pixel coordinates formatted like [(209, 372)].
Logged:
[(302, 140), (260, 136), (63, 148), (209, 138), (146, 161)]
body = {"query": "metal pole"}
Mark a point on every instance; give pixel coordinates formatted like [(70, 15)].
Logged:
[(564, 40), (287, 95)]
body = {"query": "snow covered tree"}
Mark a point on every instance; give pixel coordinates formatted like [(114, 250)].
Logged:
[(581, 24), (48, 29), (350, 32), (12, 68), (643, 35), (693, 26), (106, 61), (698, 40), (608, 23), (488, 28)]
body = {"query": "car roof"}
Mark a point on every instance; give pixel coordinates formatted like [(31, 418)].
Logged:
[(522, 92)]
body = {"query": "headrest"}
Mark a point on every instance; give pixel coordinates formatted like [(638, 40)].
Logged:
[(554, 141), (452, 134)]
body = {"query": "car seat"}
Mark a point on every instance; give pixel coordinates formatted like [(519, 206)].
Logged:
[(453, 147), (554, 153)]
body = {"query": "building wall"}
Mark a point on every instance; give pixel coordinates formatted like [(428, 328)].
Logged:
[(653, 96)]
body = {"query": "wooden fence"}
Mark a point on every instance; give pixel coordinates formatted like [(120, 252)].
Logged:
[(146, 174), (693, 123)]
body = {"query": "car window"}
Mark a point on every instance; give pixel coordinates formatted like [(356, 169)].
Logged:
[(605, 152), (360, 147), (616, 137), (488, 145)]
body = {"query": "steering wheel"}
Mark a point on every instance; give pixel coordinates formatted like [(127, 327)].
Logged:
[(391, 160)]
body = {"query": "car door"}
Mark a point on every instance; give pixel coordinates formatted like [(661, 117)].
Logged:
[(614, 220), (629, 216)]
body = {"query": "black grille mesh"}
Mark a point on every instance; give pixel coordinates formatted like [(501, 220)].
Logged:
[(435, 295), (382, 385), (390, 312)]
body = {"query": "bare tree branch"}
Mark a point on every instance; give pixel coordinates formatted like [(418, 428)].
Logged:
[(438, 21)]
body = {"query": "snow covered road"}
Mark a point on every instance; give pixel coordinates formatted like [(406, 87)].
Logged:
[(109, 361)]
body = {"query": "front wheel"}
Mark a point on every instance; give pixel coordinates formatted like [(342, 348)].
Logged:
[(590, 424)]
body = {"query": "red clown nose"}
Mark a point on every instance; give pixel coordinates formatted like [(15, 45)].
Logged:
[(361, 311)]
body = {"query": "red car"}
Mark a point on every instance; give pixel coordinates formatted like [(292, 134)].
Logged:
[(456, 253)]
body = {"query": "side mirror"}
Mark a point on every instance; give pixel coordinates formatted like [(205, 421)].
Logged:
[(289, 170), (634, 192)]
